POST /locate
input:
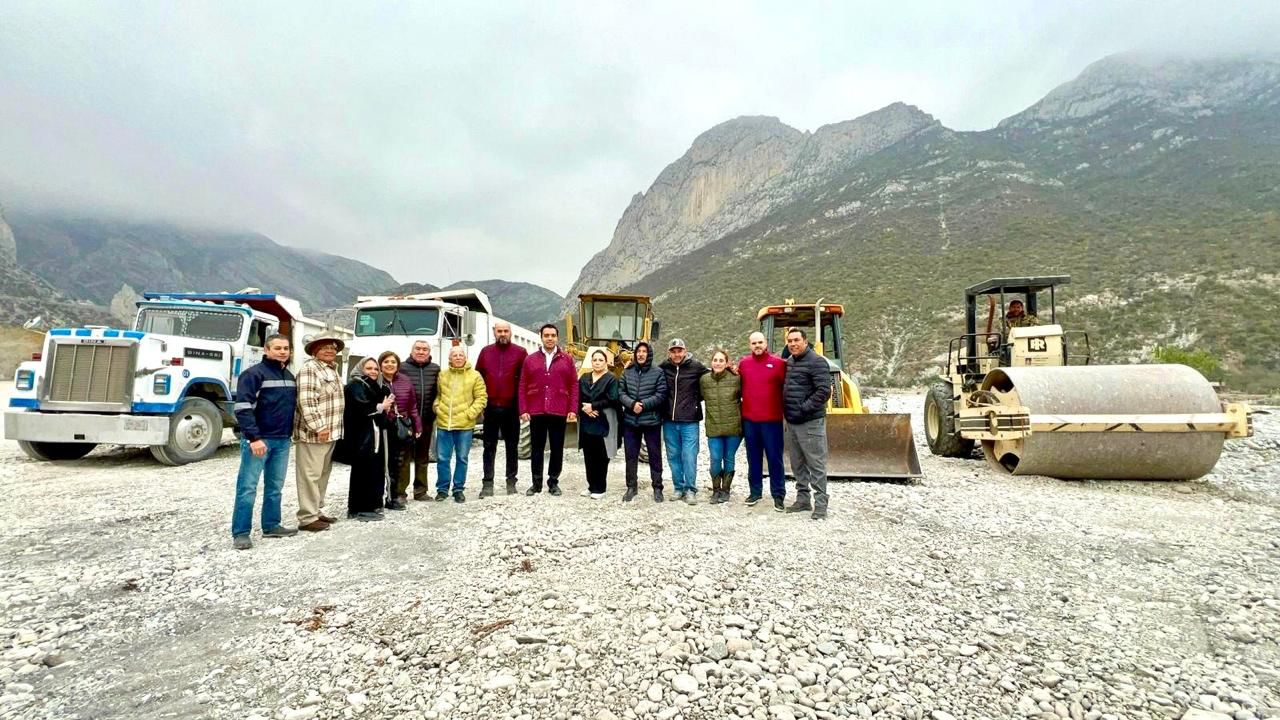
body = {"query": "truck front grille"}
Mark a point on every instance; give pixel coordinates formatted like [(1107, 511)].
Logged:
[(91, 373)]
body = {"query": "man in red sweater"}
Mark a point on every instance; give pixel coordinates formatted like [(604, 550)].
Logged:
[(500, 364), (762, 376), (548, 397)]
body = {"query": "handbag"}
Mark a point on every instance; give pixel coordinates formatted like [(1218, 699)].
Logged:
[(402, 427)]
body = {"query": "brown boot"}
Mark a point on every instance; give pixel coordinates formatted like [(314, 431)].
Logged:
[(314, 526)]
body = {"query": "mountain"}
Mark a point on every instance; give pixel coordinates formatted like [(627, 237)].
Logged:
[(1153, 182), (91, 259), (23, 296), (522, 303)]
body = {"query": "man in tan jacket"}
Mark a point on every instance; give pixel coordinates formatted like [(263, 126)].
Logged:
[(317, 428)]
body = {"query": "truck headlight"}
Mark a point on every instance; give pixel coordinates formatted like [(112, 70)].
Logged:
[(161, 385), (25, 380)]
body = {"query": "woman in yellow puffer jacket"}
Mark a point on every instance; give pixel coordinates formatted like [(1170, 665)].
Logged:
[(460, 398)]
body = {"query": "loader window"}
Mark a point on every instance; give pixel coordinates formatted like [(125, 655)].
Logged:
[(614, 321)]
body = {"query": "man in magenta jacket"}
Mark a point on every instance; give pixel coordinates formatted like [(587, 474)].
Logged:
[(500, 365), (548, 397), (762, 377)]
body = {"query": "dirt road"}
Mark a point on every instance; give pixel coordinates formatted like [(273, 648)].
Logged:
[(967, 595)]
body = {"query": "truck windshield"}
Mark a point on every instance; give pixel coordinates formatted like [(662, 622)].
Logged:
[(397, 321), (614, 320), (203, 324)]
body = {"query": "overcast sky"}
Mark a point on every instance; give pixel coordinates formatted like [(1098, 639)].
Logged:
[(443, 142)]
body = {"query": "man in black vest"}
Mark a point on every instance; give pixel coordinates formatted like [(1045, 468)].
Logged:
[(424, 374)]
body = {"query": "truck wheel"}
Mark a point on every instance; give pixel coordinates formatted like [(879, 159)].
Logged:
[(939, 424), (195, 432), (55, 451)]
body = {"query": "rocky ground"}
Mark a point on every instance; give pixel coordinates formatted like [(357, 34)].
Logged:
[(967, 595)]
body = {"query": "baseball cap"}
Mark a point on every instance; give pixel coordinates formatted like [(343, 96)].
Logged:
[(675, 343)]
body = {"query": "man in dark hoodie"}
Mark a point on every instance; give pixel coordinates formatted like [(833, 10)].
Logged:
[(424, 375), (681, 418), (643, 393)]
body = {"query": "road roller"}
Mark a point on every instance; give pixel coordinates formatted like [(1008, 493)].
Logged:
[(1024, 390), (860, 444)]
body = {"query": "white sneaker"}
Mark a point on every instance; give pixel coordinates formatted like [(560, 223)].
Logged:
[(596, 496), (585, 493)]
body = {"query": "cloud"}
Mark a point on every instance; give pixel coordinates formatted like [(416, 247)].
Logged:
[(499, 140)]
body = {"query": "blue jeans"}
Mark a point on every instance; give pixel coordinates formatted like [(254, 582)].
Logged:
[(452, 448), (765, 438), (275, 464), (681, 439), (723, 450)]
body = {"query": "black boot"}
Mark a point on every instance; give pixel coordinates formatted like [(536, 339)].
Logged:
[(486, 489), (535, 488), (715, 489), (657, 495), (511, 487), (630, 494), (726, 481)]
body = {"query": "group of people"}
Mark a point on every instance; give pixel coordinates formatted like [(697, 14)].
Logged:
[(381, 420)]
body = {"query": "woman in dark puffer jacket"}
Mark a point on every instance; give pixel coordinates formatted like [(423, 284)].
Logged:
[(405, 406)]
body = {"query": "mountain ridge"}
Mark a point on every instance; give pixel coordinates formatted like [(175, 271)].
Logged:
[(1154, 184)]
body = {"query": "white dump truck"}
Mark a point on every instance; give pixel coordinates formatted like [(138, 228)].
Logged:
[(444, 319), (168, 383)]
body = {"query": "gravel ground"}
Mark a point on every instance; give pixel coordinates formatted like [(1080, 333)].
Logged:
[(967, 595)]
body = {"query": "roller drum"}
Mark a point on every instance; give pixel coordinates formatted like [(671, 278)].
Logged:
[(1106, 390)]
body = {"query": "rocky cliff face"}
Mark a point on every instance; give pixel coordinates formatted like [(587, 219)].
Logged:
[(1162, 86), (733, 175), (8, 248), (1153, 183)]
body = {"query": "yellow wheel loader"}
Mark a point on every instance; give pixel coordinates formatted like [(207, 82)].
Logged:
[(1024, 390), (860, 444)]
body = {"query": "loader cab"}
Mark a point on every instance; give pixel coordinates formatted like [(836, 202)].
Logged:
[(1010, 344), (613, 322), (825, 338)]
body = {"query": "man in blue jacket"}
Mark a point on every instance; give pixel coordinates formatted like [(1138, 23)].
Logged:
[(266, 397)]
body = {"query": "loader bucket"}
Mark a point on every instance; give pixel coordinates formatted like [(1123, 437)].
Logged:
[(871, 446)]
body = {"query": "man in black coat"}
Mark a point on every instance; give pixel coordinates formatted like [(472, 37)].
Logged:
[(804, 403), (423, 373), (681, 419)]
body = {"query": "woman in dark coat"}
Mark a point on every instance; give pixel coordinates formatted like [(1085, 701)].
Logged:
[(404, 405), (364, 440), (598, 392)]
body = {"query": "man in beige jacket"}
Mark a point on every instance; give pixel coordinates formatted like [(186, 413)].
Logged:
[(317, 428)]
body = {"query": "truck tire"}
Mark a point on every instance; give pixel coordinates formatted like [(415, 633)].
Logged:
[(939, 424), (195, 432), (526, 442), (51, 451)]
